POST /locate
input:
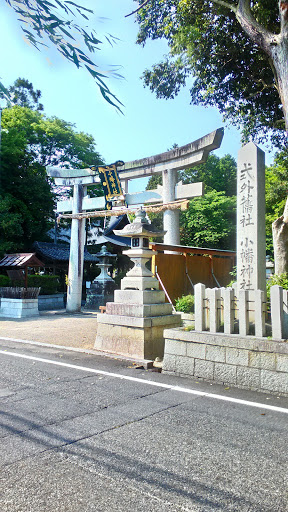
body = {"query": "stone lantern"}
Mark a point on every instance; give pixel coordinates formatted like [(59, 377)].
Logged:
[(139, 277), (103, 287), (133, 324)]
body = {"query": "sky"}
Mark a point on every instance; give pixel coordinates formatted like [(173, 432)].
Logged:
[(148, 125)]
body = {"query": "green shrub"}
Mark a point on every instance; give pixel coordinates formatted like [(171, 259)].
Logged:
[(185, 304), (4, 281), (48, 284), (280, 280)]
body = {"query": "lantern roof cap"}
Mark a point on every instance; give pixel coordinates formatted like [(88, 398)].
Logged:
[(139, 227), (105, 253)]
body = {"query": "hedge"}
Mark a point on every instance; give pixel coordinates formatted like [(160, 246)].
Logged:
[(48, 284)]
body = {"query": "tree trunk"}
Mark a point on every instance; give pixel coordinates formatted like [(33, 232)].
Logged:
[(279, 55), (280, 226), (280, 242)]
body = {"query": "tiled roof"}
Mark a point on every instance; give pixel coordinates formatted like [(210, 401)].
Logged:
[(21, 260), (59, 252)]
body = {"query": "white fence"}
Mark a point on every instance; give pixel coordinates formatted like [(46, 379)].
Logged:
[(221, 310)]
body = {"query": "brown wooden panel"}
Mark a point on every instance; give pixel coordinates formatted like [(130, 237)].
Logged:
[(173, 269)]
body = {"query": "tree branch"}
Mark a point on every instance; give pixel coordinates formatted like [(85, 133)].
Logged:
[(259, 34), (138, 8), (222, 3)]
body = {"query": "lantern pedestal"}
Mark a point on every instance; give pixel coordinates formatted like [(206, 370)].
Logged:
[(133, 324)]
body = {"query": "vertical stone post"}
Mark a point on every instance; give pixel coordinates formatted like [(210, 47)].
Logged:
[(251, 243), (229, 313), (260, 310), (215, 297), (276, 299), (285, 315), (76, 261), (199, 290), (243, 312), (170, 217)]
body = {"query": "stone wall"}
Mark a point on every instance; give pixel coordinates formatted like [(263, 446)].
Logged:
[(244, 362), (50, 302)]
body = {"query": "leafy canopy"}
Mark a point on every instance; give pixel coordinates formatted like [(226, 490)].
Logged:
[(30, 142), (211, 52)]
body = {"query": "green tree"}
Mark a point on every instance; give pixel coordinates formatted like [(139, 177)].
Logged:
[(210, 222), (235, 51), (30, 142), (44, 22), (276, 194), (22, 93), (217, 173)]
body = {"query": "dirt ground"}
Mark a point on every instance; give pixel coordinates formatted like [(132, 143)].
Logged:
[(58, 328)]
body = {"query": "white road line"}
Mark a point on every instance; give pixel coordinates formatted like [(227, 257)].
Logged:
[(149, 382)]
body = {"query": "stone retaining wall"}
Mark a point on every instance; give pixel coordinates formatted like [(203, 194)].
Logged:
[(50, 302), (244, 362)]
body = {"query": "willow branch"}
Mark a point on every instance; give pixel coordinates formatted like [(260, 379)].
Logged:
[(138, 8)]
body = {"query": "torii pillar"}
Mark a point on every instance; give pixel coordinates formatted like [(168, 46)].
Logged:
[(78, 179)]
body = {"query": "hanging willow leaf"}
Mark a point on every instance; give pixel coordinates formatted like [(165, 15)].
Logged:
[(45, 19)]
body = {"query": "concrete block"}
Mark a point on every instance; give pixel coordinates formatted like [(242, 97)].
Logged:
[(185, 365), (237, 356), (204, 369), (282, 363), (175, 347), (262, 360), (197, 350), (225, 373), (248, 377), (274, 381), (169, 363), (214, 353)]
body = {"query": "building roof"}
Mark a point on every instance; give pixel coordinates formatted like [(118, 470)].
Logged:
[(116, 222), (59, 252), (21, 260)]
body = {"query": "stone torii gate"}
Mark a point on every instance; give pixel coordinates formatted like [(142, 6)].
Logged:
[(167, 163)]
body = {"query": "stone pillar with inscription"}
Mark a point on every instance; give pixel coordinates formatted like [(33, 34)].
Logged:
[(251, 242)]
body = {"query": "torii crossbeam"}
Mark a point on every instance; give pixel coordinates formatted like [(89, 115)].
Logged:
[(167, 163)]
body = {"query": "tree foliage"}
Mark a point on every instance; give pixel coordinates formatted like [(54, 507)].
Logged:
[(276, 194), (213, 46), (30, 142), (22, 93), (44, 22), (217, 173), (210, 221)]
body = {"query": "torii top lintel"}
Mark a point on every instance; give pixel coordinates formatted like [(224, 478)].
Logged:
[(176, 159), (179, 158)]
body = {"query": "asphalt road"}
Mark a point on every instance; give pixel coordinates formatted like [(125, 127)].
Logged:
[(106, 437)]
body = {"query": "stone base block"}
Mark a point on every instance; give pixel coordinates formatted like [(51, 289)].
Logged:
[(139, 296), (141, 338), (138, 310), (18, 308)]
